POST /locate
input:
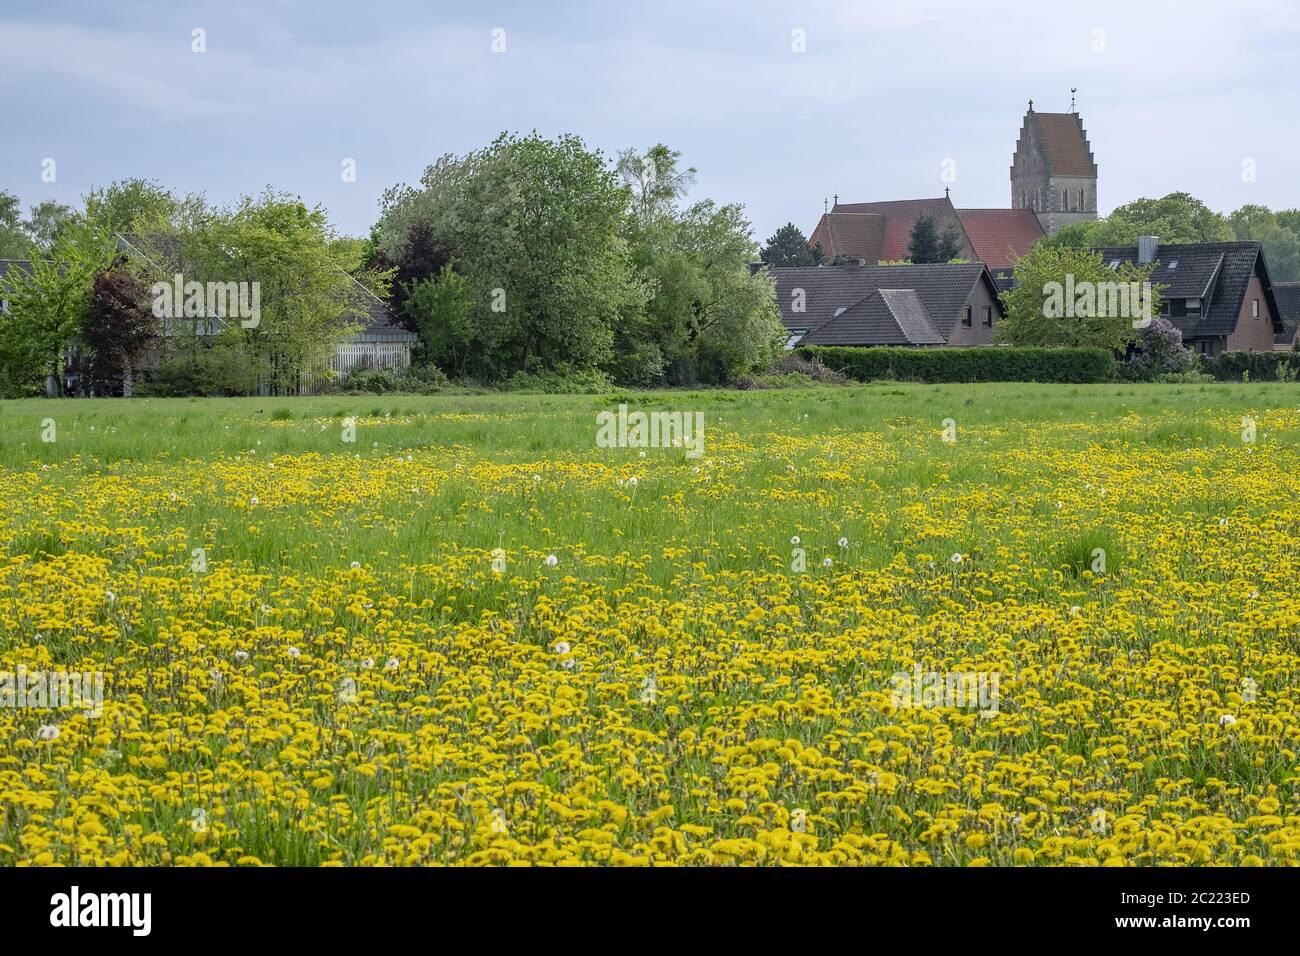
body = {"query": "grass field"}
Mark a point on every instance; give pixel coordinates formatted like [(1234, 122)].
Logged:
[(309, 656)]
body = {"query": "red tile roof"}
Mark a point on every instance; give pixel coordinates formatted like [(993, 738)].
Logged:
[(854, 234), (900, 215), (1065, 144), (1000, 236)]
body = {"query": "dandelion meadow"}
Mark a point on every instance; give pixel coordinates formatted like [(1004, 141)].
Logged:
[(456, 630)]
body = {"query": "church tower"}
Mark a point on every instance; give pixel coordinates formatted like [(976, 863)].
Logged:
[(1053, 172)]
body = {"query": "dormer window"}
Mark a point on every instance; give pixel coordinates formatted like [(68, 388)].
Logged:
[(1193, 305)]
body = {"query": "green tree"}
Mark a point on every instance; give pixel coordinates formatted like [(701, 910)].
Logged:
[(46, 219), (709, 317), (1177, 217), (950, 244), (655, 180), (306, 290), (131, 206), (924, 243), (536, 230), (442, 309), (788, 246), (120, 326), (1037, 306), (15, 243), (48, 307)]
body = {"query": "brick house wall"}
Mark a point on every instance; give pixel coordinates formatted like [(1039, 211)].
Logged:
[(1253, 333), (978, 334)]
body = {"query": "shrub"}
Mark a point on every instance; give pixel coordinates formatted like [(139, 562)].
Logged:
[(560, 382), (373, 380), (418, 379), (987, 364), (811, 367), (207, 371), (1253, 366), (1160, 351)]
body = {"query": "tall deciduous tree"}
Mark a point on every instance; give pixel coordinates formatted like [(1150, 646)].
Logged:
[(15, 243), (120, 326), (535, 227), (310, 289), (1046, 277), (1177, 217), (656, 180), (442, 311), (48, 306), (46, 219)]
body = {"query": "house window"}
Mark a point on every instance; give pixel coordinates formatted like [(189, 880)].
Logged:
[(988, 316), (1254, 308), (966, 317), (1193, 306)]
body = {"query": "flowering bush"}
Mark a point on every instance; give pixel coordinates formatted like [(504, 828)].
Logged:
[(1159, 351)]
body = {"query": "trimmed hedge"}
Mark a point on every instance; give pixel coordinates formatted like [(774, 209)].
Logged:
[(1262, 366), (985, 364)]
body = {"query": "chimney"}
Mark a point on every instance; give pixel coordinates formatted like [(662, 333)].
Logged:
[(1148, 247)]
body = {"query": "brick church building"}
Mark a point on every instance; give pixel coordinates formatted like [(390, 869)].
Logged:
[(1053, 183)]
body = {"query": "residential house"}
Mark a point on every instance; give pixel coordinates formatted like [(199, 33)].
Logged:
[(938, 304), (1218, 294)]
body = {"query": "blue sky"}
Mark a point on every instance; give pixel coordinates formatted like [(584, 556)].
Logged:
[(1175, 94)]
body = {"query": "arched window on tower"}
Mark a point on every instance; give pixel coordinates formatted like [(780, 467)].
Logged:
[(1065, 200), (1082, 205)]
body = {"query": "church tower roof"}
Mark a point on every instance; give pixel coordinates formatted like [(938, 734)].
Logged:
[(1064, 143)]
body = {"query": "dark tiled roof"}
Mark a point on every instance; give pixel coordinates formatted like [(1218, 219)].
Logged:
[(855, 234), (1065, 144), (1288, 306), (1000, 236), (1218, 273), (884, 317), (900, 215), (829, 293)]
